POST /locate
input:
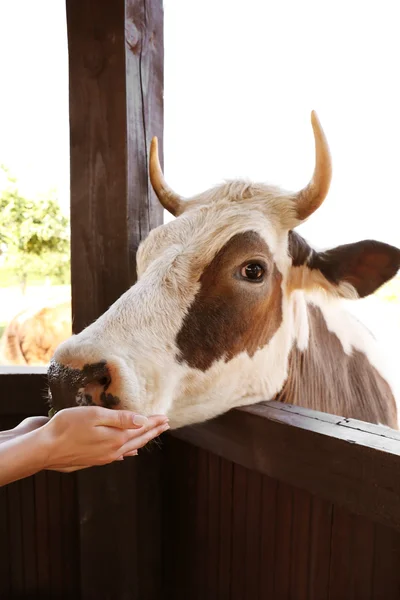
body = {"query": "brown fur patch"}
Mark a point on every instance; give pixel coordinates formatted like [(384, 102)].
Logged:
[(325, 378), (229, 315)]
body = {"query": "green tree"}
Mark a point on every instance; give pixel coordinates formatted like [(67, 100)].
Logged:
[(34, 234)]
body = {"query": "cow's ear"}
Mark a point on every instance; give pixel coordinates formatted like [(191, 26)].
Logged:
[(362, 266)]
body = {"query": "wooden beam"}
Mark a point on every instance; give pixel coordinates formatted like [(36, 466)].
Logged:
[(348, 462), (23, 392), (116, 106)]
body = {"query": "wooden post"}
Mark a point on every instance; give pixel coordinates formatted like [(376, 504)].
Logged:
[(116, 106)]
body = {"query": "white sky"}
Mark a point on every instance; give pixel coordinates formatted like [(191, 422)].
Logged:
[(240, 82), (34, 135)]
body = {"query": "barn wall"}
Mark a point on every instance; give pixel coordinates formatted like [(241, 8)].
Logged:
[(226, 531), (232, 533)]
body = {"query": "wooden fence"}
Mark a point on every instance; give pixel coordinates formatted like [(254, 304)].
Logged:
[(267, 502), (264, 502)]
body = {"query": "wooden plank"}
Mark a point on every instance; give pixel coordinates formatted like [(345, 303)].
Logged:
[(379, 430), (386, 572), (283, 542), (180, 503), (341, 567), (15, 539), (147, 487), (29, 535), (213, 501), (23, 394), (225, 529), (201, 527), (268, 523), (108, 537), (320, 548), (42, 532), (301, 542), (70, 537), (238, 574), (5, 567), (116, 106), (253, 564), (356, 469), (145, 97), (363, 550), (98, 135), (55, 532)]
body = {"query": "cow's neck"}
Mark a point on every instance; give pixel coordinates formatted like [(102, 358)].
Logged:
[(329, 369)]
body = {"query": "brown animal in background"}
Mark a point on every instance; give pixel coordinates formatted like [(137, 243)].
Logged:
[(32, 336)]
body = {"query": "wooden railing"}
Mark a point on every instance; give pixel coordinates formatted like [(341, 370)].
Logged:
[(267, 501), (348, 462)]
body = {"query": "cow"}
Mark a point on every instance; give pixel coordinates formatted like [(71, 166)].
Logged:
[(32, 336), (232, 306)]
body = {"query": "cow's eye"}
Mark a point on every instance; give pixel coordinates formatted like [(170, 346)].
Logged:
[(253, 272)]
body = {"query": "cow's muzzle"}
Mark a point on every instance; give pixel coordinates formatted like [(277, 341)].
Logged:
[(87, 386)]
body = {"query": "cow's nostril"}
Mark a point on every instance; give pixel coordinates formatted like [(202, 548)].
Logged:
[(105, 381), (86, 386)]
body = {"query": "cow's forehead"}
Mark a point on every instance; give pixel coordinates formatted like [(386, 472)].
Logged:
[(202, 231)]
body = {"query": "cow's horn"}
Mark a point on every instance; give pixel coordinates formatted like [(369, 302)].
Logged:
[(168, 198), (312, 196)]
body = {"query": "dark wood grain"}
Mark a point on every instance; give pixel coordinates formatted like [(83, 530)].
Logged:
[(268, 531), (29, 542), (15, 539), (363, 551), (116, 106), (55, 533), (320, 548), (5, 567), (283, 542), (301, 545), (70, 537), (356, 469), (213, 526), (201, 524), (23, 394), (341, 564), (239, 500), (145, 97), (386, 572), (42, 509), (225, 529), (98, 142), (253, 564)]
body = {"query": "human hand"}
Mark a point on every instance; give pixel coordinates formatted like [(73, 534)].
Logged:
[(27, 425), (85, 436), (30, 424)]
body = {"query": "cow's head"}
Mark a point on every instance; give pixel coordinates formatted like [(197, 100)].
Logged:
[(210, 323)]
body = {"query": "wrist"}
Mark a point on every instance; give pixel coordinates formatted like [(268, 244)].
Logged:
[(23, 455), (7, 435), (41, 443)]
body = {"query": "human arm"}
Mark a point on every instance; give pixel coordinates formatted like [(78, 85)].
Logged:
[(75, 438)]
